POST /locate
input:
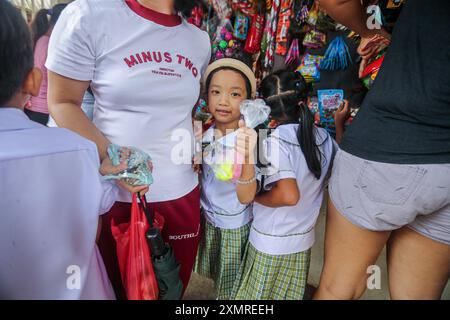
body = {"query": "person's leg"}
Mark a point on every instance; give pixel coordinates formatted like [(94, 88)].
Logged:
[(349, 251), (182, 230), (418, 267)]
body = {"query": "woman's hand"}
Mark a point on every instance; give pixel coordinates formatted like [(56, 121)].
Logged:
[(246, 142), (108, 168), (371, 45)]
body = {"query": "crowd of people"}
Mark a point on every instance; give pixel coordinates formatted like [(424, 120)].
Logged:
[(388, 174)]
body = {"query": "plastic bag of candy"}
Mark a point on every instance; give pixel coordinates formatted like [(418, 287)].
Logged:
[(137, 173), (329, 102)]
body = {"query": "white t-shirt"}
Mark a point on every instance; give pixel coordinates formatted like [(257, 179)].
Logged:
[(287, 230), (51, 199), (145, 76), (219, 200)]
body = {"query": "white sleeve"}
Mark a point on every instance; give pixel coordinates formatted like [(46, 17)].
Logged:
[(208, 54), (280, 166), (71, 51)]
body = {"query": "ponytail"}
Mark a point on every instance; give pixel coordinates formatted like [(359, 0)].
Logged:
[(306, 135), (285, 92), (39, 25)]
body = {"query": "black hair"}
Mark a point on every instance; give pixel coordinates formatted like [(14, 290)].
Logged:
[(16, 51), (285, 92), (41, 23), (185, 6)]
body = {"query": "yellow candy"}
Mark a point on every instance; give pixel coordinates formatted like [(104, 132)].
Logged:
[(224, 172), (231, 43)]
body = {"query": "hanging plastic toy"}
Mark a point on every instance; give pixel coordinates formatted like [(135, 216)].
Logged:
[(337, 56)]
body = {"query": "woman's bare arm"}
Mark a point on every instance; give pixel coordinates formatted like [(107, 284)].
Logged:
[(65, 97)]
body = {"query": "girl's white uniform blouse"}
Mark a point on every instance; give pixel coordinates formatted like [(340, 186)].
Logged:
[(287, 230), (219, 200)]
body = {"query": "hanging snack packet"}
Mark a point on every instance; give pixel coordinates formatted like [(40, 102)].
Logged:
[(241, 26), (284, 23), (309, 68), (329, 102), (314, 39)]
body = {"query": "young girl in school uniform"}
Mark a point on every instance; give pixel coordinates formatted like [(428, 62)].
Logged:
[(226, 206), (299, 155)]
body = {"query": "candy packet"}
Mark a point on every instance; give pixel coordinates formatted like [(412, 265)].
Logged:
[(329, 102)]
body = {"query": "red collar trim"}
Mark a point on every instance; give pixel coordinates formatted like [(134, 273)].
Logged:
[(167, 20)]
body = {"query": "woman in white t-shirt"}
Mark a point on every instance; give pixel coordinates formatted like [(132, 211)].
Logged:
[(276, 262), (144, 64)]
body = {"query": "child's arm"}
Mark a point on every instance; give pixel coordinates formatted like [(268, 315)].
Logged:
[(283, 193), (245, 145), (246, 185), (341, 115)]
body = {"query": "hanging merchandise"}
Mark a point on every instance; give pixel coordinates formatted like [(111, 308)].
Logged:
[(313, 15), (324, 22), (224, 44), (271, 31), (222, 8), (329, 102), (303, 15), (196, 17), (293, 55), (284, 22), (313, 105), (337, 56), (309, 68), (370, 73), (241, 26), (253, 44), (245, 6), (314, 39)]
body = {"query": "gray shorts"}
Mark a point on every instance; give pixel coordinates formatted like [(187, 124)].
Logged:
[(383, 197)]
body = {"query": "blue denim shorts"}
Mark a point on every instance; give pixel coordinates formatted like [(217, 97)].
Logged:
[(384, 197)]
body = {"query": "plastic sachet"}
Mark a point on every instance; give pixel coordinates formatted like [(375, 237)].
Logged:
[(137, 173), (254, 112), (221, 155)]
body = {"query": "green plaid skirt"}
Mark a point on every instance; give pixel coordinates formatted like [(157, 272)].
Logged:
[(272, 277), (220, 254)]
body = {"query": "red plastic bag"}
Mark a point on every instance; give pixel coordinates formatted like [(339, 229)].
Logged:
[(134, 257)]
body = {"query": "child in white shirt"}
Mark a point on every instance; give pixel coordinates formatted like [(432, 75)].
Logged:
[(226, 206), (276, 262)]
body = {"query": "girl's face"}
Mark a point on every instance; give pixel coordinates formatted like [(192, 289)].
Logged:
[(225, 93)]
